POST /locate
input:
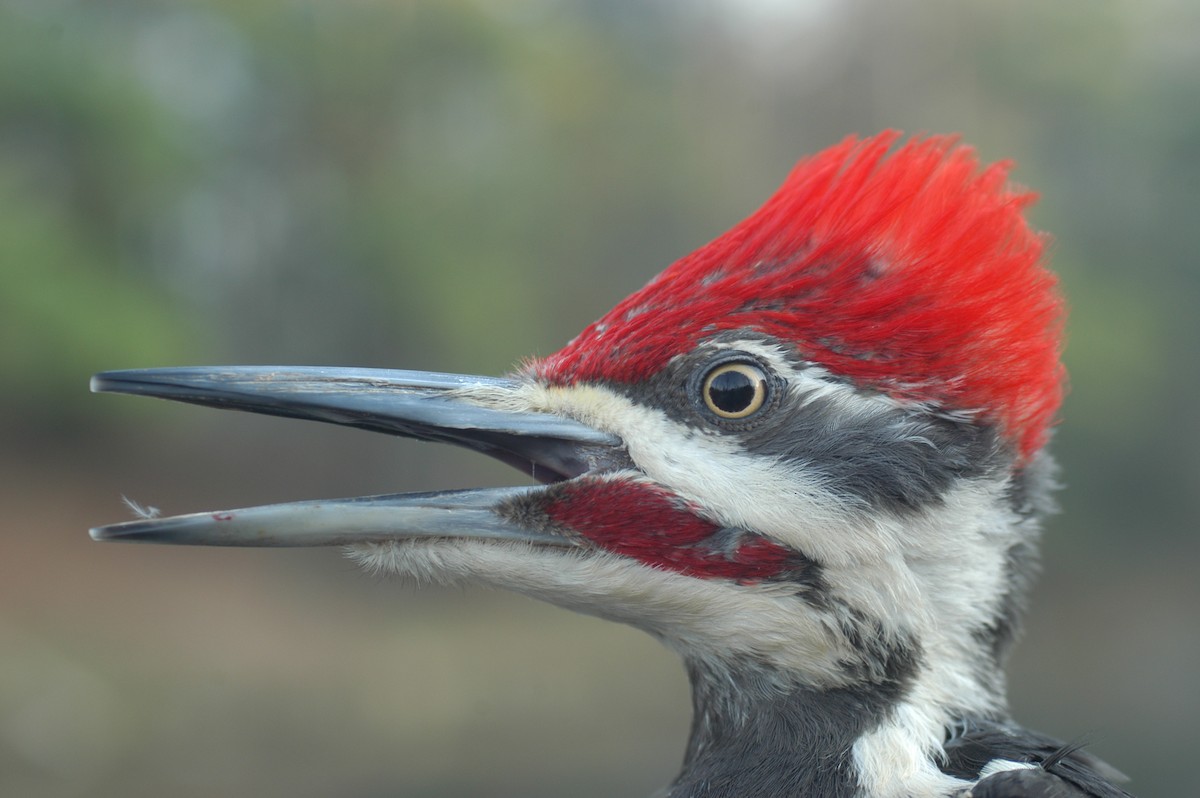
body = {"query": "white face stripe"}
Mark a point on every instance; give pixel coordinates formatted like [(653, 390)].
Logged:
[(958, 563), (737, 488)]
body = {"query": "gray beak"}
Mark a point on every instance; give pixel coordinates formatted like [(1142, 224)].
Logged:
[(414, 404)]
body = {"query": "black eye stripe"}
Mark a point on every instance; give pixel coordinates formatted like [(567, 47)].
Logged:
[(899, 459)]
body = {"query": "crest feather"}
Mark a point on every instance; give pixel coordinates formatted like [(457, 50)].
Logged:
[(913, 273)]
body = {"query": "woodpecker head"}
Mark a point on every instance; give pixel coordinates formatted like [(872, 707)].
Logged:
[(808, 456)]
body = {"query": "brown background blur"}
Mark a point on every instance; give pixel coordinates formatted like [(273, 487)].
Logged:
[(456, 185)]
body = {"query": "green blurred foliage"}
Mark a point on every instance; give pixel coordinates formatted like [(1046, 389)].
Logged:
[(460, 184), (80, 152), (455, 185)]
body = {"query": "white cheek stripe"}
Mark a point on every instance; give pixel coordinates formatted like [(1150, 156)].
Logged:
[(735, 487)]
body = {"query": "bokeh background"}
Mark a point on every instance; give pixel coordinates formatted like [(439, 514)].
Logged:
[(454, 185)]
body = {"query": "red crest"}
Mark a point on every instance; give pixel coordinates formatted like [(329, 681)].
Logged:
[(913, 273)]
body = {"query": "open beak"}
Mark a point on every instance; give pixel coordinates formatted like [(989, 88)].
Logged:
[(448, 408)]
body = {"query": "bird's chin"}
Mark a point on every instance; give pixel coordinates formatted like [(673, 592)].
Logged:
[(693, 616), (454, 561)]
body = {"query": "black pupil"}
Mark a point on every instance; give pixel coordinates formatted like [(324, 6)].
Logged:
[(731, 391)]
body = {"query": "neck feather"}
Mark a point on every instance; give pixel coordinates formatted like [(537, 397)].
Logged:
[(754, 733), (928, 657)]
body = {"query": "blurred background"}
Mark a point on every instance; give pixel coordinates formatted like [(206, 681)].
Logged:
[(455, 185)]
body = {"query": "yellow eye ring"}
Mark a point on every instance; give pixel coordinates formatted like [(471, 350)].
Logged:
[(735, 390)]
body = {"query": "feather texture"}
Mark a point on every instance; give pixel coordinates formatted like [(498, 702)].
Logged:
[(912, 273)]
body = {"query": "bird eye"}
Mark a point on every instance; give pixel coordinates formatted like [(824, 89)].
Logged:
[(735, 390)]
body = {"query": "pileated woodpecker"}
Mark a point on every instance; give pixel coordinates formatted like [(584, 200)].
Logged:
[(809, 457)]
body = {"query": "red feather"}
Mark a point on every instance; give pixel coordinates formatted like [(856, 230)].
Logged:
[(912, 273), (653, 526)]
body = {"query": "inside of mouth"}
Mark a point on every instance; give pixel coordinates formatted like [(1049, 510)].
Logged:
[(538, 471)]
